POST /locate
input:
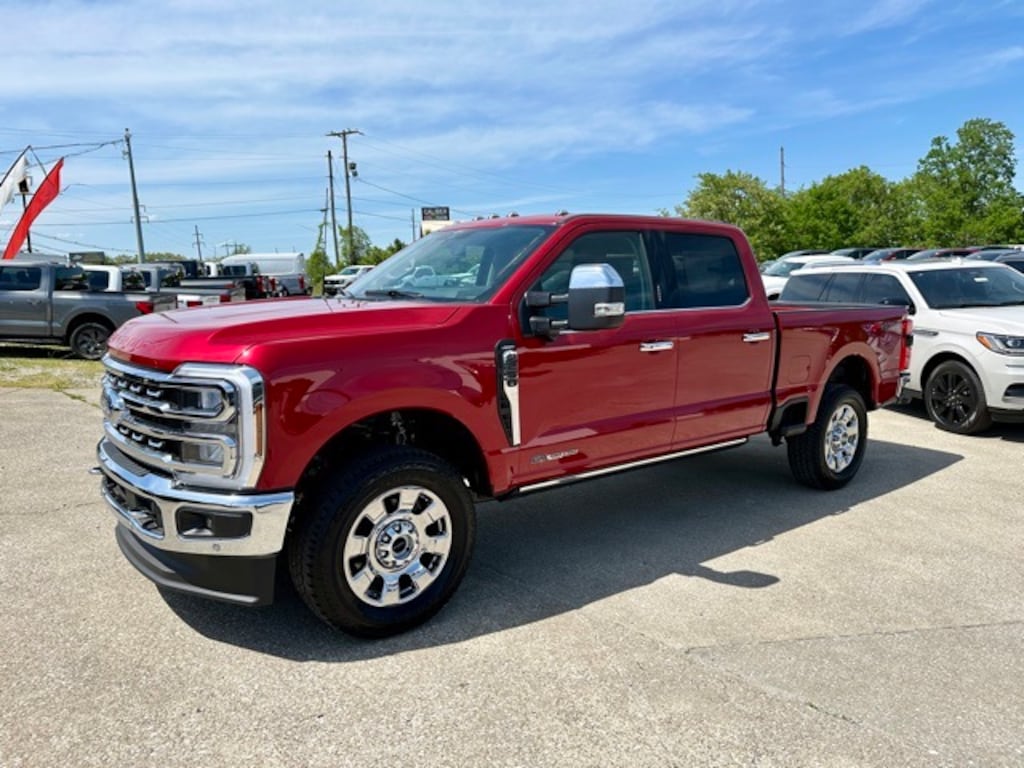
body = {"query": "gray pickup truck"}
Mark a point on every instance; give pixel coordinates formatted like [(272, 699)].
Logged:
[(51, 303)]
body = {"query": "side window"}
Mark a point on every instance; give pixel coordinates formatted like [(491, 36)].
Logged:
[(624, 251), (884, 289), (98, 281), (70, 279), (844, 288), (805, 287), (20, 278), (707, 272)]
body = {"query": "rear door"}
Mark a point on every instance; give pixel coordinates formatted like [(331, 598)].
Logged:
[(593, 398), (725, 335), (24, 302)]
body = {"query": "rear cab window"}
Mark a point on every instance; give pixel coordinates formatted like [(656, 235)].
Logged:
[(706, 271)]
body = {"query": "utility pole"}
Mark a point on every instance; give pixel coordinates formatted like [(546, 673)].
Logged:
[(135, 194), (334, 218), (350, 170), (199, 240), (782, 170)]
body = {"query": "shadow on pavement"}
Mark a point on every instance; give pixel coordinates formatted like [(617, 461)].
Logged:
[(1012, 433), (554, 552)]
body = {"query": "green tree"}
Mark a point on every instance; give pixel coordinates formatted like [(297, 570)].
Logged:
[(744, 200), (377, 254), (965, 188), (359, 243), (318, 264), (164, 256), (858, 207)]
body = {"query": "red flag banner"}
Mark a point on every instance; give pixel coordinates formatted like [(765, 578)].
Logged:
[(44, 195)]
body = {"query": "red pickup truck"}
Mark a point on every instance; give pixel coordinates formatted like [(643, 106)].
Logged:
[(350, 436)]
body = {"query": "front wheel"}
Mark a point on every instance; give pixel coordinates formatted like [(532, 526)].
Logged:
[(89, 340), (955, 399), (382, 545), (830, 452)]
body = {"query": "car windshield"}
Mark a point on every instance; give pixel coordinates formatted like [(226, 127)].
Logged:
[(970, 287), (452, 265), (783, 268)]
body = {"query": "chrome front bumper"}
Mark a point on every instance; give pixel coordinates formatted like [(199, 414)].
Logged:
[(188, 522)]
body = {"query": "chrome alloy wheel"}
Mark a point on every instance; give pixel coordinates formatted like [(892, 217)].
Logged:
[(397, 546), (842, 438)]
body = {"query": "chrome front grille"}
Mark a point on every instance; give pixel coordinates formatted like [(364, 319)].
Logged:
[(201, 424)]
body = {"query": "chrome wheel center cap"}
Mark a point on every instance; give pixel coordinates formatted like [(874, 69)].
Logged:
[(397, 544)]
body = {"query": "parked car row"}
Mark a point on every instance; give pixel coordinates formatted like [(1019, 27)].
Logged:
[(51, 301), (967, 363), (45, 302)]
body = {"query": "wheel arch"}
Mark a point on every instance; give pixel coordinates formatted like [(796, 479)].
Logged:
[(795, 414), (430, 430), (86, 317), (945, 357)]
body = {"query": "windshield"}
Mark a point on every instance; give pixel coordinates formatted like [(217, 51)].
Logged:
[(783, 268), (452, 265), (967, 287)]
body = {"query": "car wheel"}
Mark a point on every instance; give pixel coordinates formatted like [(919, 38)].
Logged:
[(89, 340), (955, 399), (383, 544), (829, 453)]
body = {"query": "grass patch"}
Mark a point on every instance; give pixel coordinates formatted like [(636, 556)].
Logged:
[(46, 368)]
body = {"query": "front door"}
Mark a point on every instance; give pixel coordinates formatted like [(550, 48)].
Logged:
[(24, 307), (589, 399)]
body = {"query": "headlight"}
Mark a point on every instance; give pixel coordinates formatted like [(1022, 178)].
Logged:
[(1002, 344)]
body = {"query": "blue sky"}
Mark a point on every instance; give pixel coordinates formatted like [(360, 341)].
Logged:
[(581, 105)]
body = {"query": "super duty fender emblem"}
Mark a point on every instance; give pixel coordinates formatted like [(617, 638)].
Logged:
[(556, 456)]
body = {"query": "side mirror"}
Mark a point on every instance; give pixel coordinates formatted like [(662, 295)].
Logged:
[(596, 299)]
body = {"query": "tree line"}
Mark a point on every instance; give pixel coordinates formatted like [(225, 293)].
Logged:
[(962, 193)]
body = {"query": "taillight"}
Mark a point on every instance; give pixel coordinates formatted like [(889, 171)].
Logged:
[(193, 303), (225, 298), (260, 287), (144, 307), (302, 283), (908, 343)]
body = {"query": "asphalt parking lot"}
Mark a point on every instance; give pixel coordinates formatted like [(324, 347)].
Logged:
[(707, 612)]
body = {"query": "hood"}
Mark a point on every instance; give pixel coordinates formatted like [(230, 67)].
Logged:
[(224, 332), (1007, 320)]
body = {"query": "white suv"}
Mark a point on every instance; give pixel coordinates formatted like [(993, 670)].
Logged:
[(334, 284), (967, 362)]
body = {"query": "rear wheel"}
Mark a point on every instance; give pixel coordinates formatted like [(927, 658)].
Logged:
[(830, 452), (955, 399), (384, 543), (89, 340)]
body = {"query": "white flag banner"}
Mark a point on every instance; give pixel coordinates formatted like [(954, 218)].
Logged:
[(17, 174)]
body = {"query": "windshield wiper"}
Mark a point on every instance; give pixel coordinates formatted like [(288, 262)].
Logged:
[(394, 293)]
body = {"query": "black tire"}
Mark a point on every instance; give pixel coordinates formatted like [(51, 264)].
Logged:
[(89, 340), (360, 539), (830, 452), (955, 399)]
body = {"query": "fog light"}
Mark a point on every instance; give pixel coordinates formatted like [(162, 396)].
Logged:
[(197, 524), (209, 454)]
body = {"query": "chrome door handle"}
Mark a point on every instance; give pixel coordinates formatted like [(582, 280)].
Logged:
[(656, 346), (753, 338)]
